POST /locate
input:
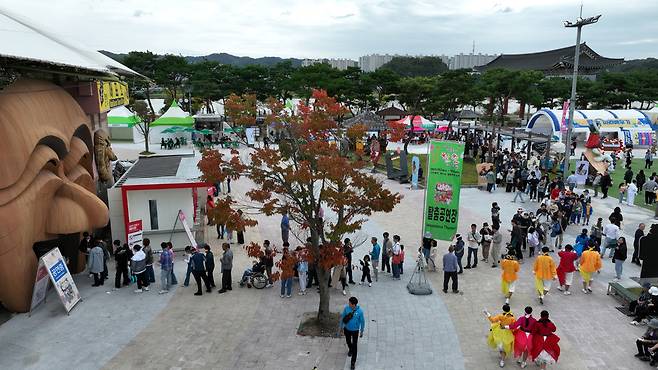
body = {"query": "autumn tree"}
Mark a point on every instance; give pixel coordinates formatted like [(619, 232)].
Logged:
[(304, 177)]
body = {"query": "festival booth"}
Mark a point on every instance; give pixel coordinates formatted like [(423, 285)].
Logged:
[(121, 122), (630, 126), (417, 123), (174, 116)]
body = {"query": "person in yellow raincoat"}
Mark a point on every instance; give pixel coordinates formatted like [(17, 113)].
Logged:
[(510, 267), (500, 335), (545, 272), (590, 262)]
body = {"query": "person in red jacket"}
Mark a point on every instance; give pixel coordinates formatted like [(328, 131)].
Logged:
[(522, 337), (545, 349), (566, 268)]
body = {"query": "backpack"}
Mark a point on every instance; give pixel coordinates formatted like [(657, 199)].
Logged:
[(348, 317)]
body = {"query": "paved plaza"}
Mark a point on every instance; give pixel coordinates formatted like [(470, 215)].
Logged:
[(256, 329)]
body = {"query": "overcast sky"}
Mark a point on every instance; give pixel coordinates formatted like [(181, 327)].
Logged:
[(345, 29)]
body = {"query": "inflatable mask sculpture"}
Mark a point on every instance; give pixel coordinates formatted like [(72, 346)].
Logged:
[(103, 155), (46, 181)]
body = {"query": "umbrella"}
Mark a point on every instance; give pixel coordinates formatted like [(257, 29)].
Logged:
[(442, 129), (205, 131), (172, 130)]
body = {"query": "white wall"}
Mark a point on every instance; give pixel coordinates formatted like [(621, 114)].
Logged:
[(169, 201), (115, 204)]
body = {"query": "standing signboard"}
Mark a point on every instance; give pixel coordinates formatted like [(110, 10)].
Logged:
[(250, 133), (61, 278), (40, 285), (565, 110), (135, 233), (182, 219), (444, 169), (582, 170)]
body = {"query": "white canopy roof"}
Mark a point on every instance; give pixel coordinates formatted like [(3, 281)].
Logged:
[(22, 40), (120, 111)]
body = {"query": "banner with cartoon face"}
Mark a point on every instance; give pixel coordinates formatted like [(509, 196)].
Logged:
[(444, 170)]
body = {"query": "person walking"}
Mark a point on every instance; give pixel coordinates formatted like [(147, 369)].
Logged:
[(122, 257), (545, 272), (496, 244), (397, 257), (631, 192), (519, 190), (96, 264), (649, 188), (485, 241), (365, 270), (459, 252), (188, 261), (170, 249), (352, 324), (621, 253), (522, 337), (566, 268), (348, 249), (532, 241), (386, 253), (473, 238), (450, 269), (302, 269), (285, 228), (138, 268), (227, 266), (648, 159), (197, 261), (148, 251), (210, 265), (374, 256), (501, 337), (611, 232), (606, 183), (510, 268), (590, 262), (596, 184), (639, 233), (165, 269), (544, 348)]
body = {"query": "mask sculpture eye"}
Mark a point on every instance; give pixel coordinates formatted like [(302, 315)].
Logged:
[(46, 182)]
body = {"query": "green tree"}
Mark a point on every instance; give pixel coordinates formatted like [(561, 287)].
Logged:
[(525, 88), (144, 63), (452, 91), (415, 94), (385, 85), (171, 73), (555, 91), (498, 84), (316, 76), (416, 66), (645, 84), (281, 82)]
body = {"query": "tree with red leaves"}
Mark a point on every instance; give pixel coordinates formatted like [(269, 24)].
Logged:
[(305, 175)]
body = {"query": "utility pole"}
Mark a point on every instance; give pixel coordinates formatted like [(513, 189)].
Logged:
[(579, 24)]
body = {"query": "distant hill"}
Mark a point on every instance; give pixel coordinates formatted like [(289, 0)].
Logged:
[(635, 64), (224, 58)]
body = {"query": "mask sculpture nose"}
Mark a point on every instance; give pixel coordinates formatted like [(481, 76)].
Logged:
[(75, 209)]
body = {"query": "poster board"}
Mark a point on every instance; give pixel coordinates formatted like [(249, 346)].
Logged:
[(250, 133), (135, 233), (444, 169), (582, 170), (61, 278), (40, 285), (183, 221), (415, 164)]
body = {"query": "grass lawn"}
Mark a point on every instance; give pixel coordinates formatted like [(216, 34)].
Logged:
[(469, 177), (618, 176)]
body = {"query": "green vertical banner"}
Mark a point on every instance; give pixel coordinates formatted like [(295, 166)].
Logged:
[(444, 172)]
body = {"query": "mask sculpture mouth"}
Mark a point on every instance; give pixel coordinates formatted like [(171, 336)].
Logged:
[(46, 180)]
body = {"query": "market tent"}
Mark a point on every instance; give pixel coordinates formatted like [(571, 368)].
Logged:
[(631, 125), (173, 117), (417, 123), (121, 123)]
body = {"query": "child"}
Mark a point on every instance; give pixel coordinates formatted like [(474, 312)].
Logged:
[(302, 270), (587, 212), (365, 271), (582, 241), (401, 259), (576, 212)]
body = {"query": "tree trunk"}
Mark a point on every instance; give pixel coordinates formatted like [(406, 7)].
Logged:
[(146, 138), (323, 306), (148, 99)]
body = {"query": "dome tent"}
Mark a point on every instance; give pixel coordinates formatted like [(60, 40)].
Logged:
[(633, 125), (121, 123), (174, 116)]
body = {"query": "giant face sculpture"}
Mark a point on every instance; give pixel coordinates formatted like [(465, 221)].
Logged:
[(46, 181)]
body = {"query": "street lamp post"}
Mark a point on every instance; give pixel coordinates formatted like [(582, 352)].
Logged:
[(579, 24)]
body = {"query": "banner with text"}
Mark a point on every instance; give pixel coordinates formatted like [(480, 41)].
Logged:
[(582, 170), (135, 233), (61, 278), (182, 219), (444, 170), (40, 285)]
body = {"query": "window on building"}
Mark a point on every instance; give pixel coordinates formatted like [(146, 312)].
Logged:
[(153, 212)]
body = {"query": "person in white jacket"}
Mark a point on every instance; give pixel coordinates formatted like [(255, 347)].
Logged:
[(533, 241), (473, 239), (631, 192)]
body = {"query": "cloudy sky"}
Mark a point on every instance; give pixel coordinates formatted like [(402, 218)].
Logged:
[(345, 28)]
